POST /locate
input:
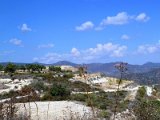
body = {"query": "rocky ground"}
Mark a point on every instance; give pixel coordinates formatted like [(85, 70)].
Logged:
[(7, 85), (55, 110)]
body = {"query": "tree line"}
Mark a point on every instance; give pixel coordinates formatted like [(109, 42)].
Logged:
[(12, 68)]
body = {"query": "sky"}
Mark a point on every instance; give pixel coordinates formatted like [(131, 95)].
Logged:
[(80, 31)]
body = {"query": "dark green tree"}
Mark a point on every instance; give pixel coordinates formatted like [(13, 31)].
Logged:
[(1, 67), (41, 67), (35, 67), (22, 67), (55, 68), (10, 68)]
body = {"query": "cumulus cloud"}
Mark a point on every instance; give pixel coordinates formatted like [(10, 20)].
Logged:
[(120, 19), (108, 50), (16, 41), (142, 17), (48, 58), (85, 26), (25, 28), (50, 45), (148, 49), (125, 37), (75, 52)]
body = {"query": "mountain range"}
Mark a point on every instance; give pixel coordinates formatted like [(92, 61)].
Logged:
[(109, 68)]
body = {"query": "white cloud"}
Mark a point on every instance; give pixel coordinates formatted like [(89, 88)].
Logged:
[(85, 26), (48, 58), (119, 52), (148, 49), (108, 50), (125, 37), (16, 41), (120, 19), (75, 52), (142, 17), (99, 28), (50, 45), (25, 28)]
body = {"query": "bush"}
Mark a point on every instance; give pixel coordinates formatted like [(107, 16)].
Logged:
[(78, 86), (59, 90), (104, 114), (47, 96), (48, 77), (38, 85), (69, 75), (10, 94), (141, 93), (79, 97), (147, 110)]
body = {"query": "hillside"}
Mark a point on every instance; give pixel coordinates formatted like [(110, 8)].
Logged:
[(65, 63), (151, 77)]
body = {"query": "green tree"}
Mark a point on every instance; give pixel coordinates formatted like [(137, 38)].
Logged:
[(35, 67), (10, 68), (41, 67), (1, 67), (55, 68), (22, 67), (29, 67)]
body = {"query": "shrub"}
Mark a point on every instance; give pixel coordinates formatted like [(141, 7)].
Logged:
[(59, 90), (48, 77), (47, 96), (80, 86), (104, 114), (10, 94), (141, 93), (147, 110), (69, 75), (38, 85), (79, 97)]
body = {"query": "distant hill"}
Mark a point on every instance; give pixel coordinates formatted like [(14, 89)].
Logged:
[(5, 63), (148, 78), (109, 69), (106, 68), (65, 63)]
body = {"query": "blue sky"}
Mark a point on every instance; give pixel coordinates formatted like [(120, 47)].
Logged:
[(81, 31)]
